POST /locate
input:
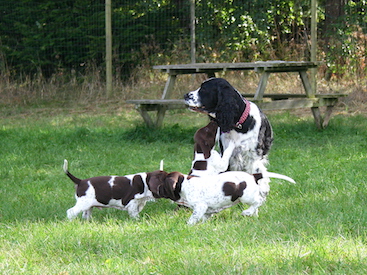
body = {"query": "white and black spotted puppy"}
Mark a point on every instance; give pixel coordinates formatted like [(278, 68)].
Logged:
[(208, 195), (130, 192), (207, 161)]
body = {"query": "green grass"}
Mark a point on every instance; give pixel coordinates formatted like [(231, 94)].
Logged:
[(317, 226)]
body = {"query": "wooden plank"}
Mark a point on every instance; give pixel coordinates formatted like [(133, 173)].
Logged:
[(293, 101), (285, 69), (156, 101), (155, 104), (288, 104), (274, 66), (285, 96), (272, 96), (239, 65)]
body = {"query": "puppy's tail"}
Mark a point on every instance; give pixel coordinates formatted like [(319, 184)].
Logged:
[(259, 176), (161, 165), (72, 177), (278, 176)]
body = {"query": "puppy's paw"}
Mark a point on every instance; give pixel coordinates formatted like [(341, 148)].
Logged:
[(250, 212)]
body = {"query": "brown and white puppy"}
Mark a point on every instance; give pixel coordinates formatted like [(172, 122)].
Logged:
[(208, 195), (207, 161), (130, 192)]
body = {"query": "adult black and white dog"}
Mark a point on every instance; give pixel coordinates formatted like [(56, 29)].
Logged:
[(238, 119)]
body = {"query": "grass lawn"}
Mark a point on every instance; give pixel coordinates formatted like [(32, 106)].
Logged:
[(317, 226)]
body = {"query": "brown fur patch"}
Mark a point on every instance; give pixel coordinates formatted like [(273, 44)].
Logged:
[(155, 180), (122, 188), (126, 190), (205, 139), (102, 187), (200, 165), (231, 189), (81, 188)]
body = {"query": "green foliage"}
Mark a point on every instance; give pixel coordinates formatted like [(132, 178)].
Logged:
[(50, 36), (53, 36), (56, 37), (346, 47), (250, 30), (145, 28)]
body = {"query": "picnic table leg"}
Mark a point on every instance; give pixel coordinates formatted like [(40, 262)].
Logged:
[(306, 84), (317, 116), (168, 88), (311, 94), (262, 85), (322, 122), (160, 116), (329, 110), (147, 119), (157, 123)]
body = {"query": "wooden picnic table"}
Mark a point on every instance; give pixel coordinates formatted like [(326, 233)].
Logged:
[(309, 99)]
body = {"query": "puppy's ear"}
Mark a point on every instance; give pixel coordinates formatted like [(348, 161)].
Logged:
[(258, 176), (227, 107), (206, 149), (202, 146), (172, 186), (155, 180), (205, 139)]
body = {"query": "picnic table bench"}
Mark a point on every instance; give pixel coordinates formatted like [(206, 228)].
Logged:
[(265, 101)]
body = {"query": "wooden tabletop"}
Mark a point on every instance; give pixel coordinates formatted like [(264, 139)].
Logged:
[(205, 67)]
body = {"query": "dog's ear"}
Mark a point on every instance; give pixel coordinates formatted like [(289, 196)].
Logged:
[(258, 176), (172, 186), (155, 180), (206, 149), (227, 107), (203, 146), (205, 139)]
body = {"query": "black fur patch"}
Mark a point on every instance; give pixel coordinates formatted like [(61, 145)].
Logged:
[(258, 177)]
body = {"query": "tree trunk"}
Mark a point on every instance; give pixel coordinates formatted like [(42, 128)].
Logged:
[(333, 10)]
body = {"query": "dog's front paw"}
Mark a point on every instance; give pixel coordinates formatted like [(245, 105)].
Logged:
[(192, 221), (71, 214), (250, 212)]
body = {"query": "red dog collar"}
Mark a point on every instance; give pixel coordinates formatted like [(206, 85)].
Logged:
[(244, 114)]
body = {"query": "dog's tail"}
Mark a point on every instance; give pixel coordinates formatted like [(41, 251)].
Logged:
[(72, 177), (161, 165), (278, 176), (259, 176)]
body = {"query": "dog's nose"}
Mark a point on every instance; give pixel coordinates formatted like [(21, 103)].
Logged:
[(187, 96)]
